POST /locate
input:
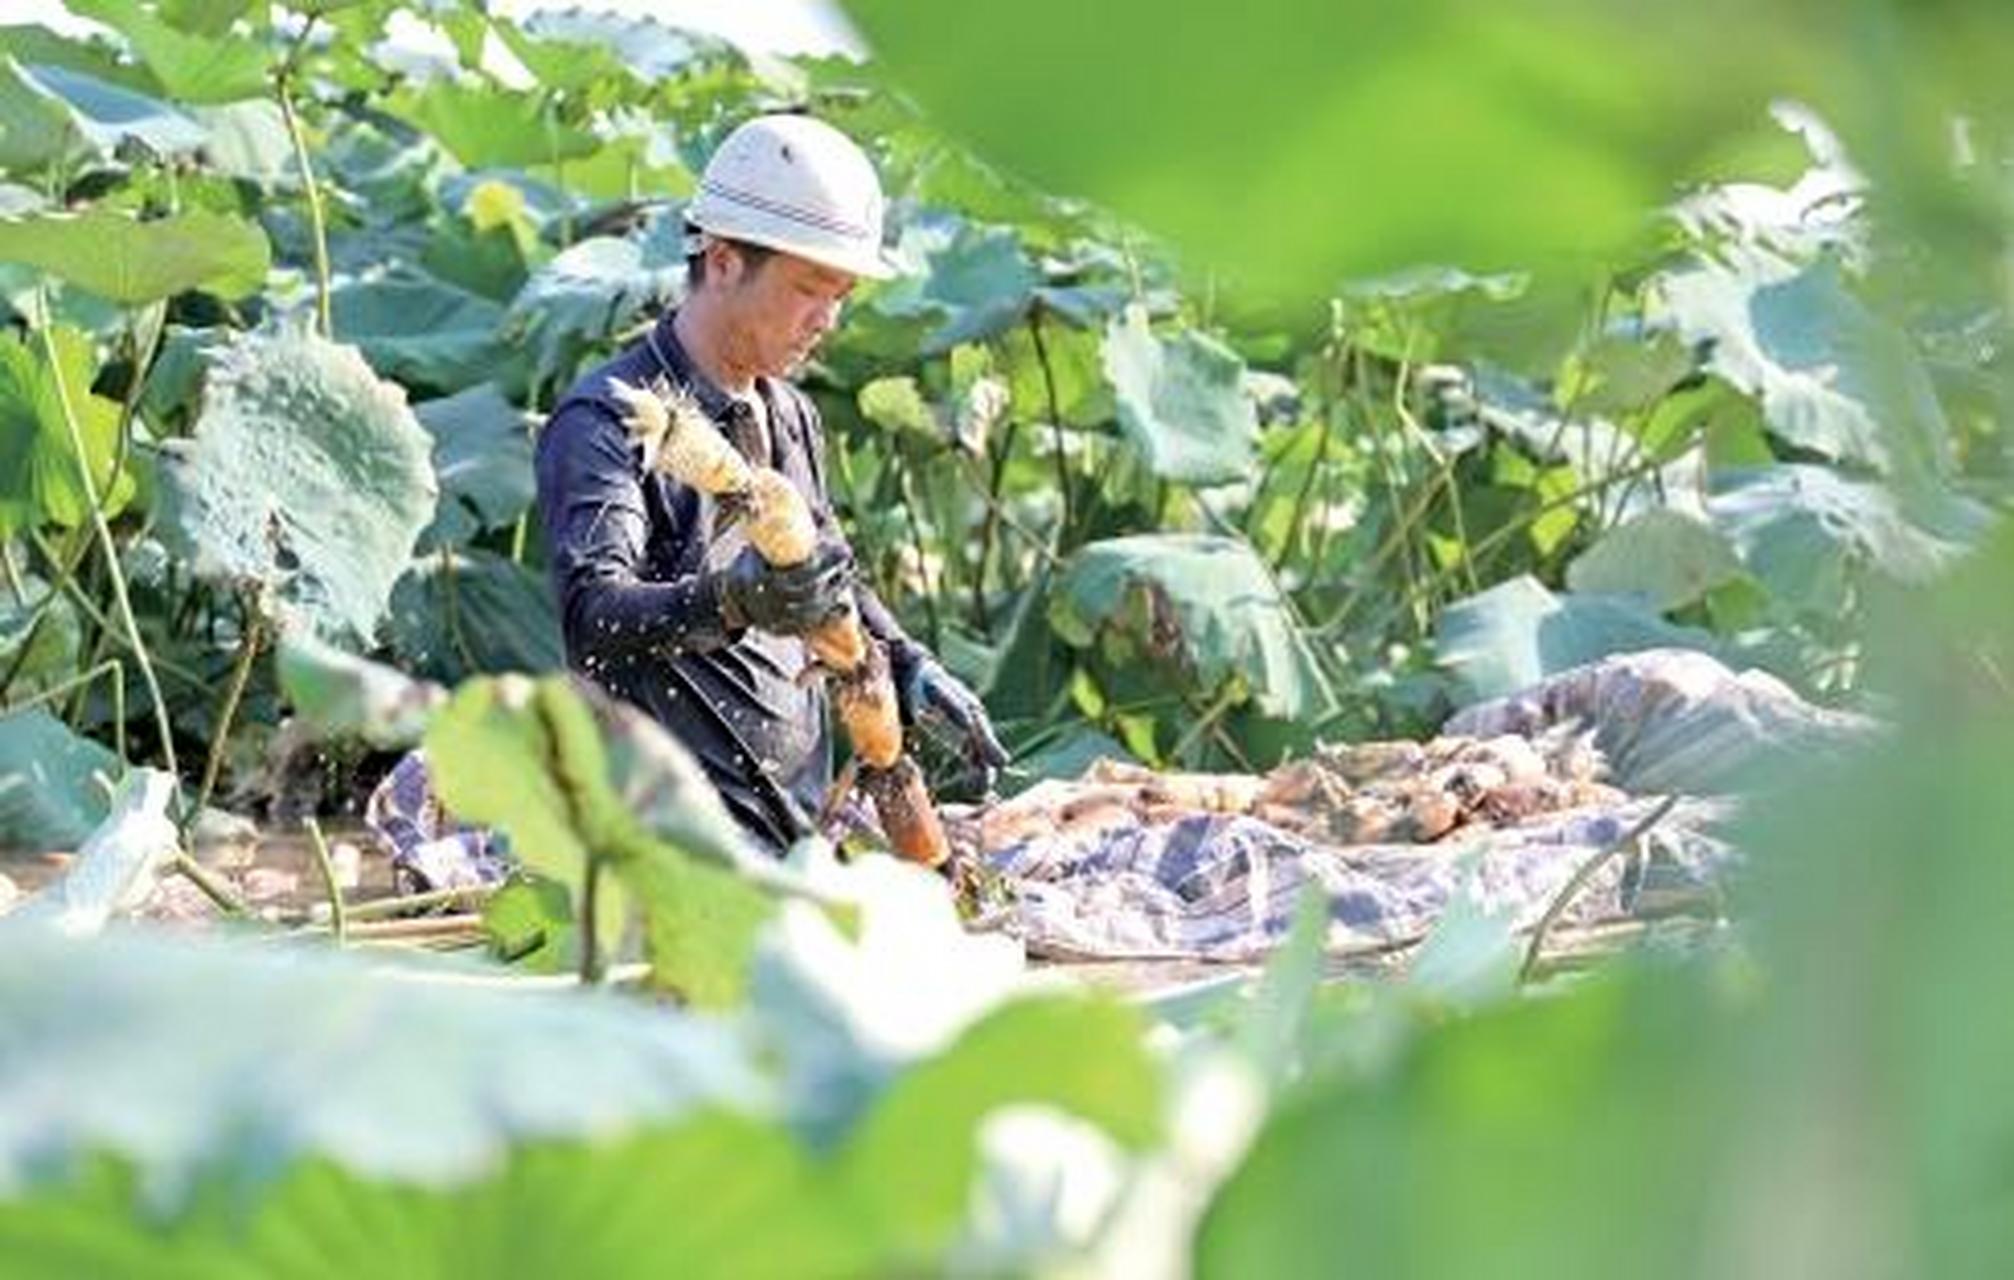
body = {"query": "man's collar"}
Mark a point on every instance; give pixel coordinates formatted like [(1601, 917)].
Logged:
[(681, 368)]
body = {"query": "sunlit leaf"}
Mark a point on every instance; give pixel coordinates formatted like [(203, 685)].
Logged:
[(389, 1078), (130, 261), (192, 66), (910, 1162), (1809, 533), (41, 481), (484, 126), (596, 784), (117, 867)]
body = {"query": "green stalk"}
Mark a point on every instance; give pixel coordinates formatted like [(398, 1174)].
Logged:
[(80, 543), (66, 582), (1056, 423), (241, 673), (324, 318), (566, 229), (339, 921), (1225, 699), (590, 948), (908, 486), (378, 908), (13, 574), (103, 531), (215, 890), (1443, 468), (1578, 881)]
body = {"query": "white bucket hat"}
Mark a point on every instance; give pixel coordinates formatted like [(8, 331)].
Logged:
[(798, 185)]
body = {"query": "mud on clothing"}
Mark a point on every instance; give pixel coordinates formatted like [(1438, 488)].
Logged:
[(632, 554)]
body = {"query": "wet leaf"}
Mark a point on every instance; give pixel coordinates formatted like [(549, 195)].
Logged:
[(191, 66)]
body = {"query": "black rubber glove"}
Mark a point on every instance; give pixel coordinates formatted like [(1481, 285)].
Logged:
[(786, 602), (929, 695)]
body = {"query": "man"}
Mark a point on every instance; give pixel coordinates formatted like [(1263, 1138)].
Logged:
[(662, 607)]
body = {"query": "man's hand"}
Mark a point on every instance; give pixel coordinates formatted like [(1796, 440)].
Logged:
[(932, 696), (786, 602)]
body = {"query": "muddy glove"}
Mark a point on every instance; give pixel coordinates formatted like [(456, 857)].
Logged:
[(932, 696), (786, 602)]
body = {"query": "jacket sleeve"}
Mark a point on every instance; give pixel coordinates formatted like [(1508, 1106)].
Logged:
[(591, 505)]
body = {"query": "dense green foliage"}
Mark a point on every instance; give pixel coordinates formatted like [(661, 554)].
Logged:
[(1257, 379)]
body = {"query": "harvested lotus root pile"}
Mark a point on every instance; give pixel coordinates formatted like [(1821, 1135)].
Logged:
[(1362, 793)]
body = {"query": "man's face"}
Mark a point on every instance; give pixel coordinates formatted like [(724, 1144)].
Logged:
[(778, 311)]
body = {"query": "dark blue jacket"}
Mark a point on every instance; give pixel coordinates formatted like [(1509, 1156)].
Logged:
[(631, 553)]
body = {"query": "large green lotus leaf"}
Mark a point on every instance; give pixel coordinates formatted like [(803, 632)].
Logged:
[(1206, 604), (1517, 633), (215, 17), (574, 778), (130, 261), (568, 65), (32, 45), (50, 796), (591, 1207), (1487, 1140), (592, 290), (1667, 557), (40, 480), (51, 115), (1832, 376), (1182, 401), (1299, 143), (911, 1161), (975, 280), (191, 66), (420, 330), (473, 612), (482, 458), (312, 1055), (1808, 533), (650, 50), (484, 126), (308, 478)]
